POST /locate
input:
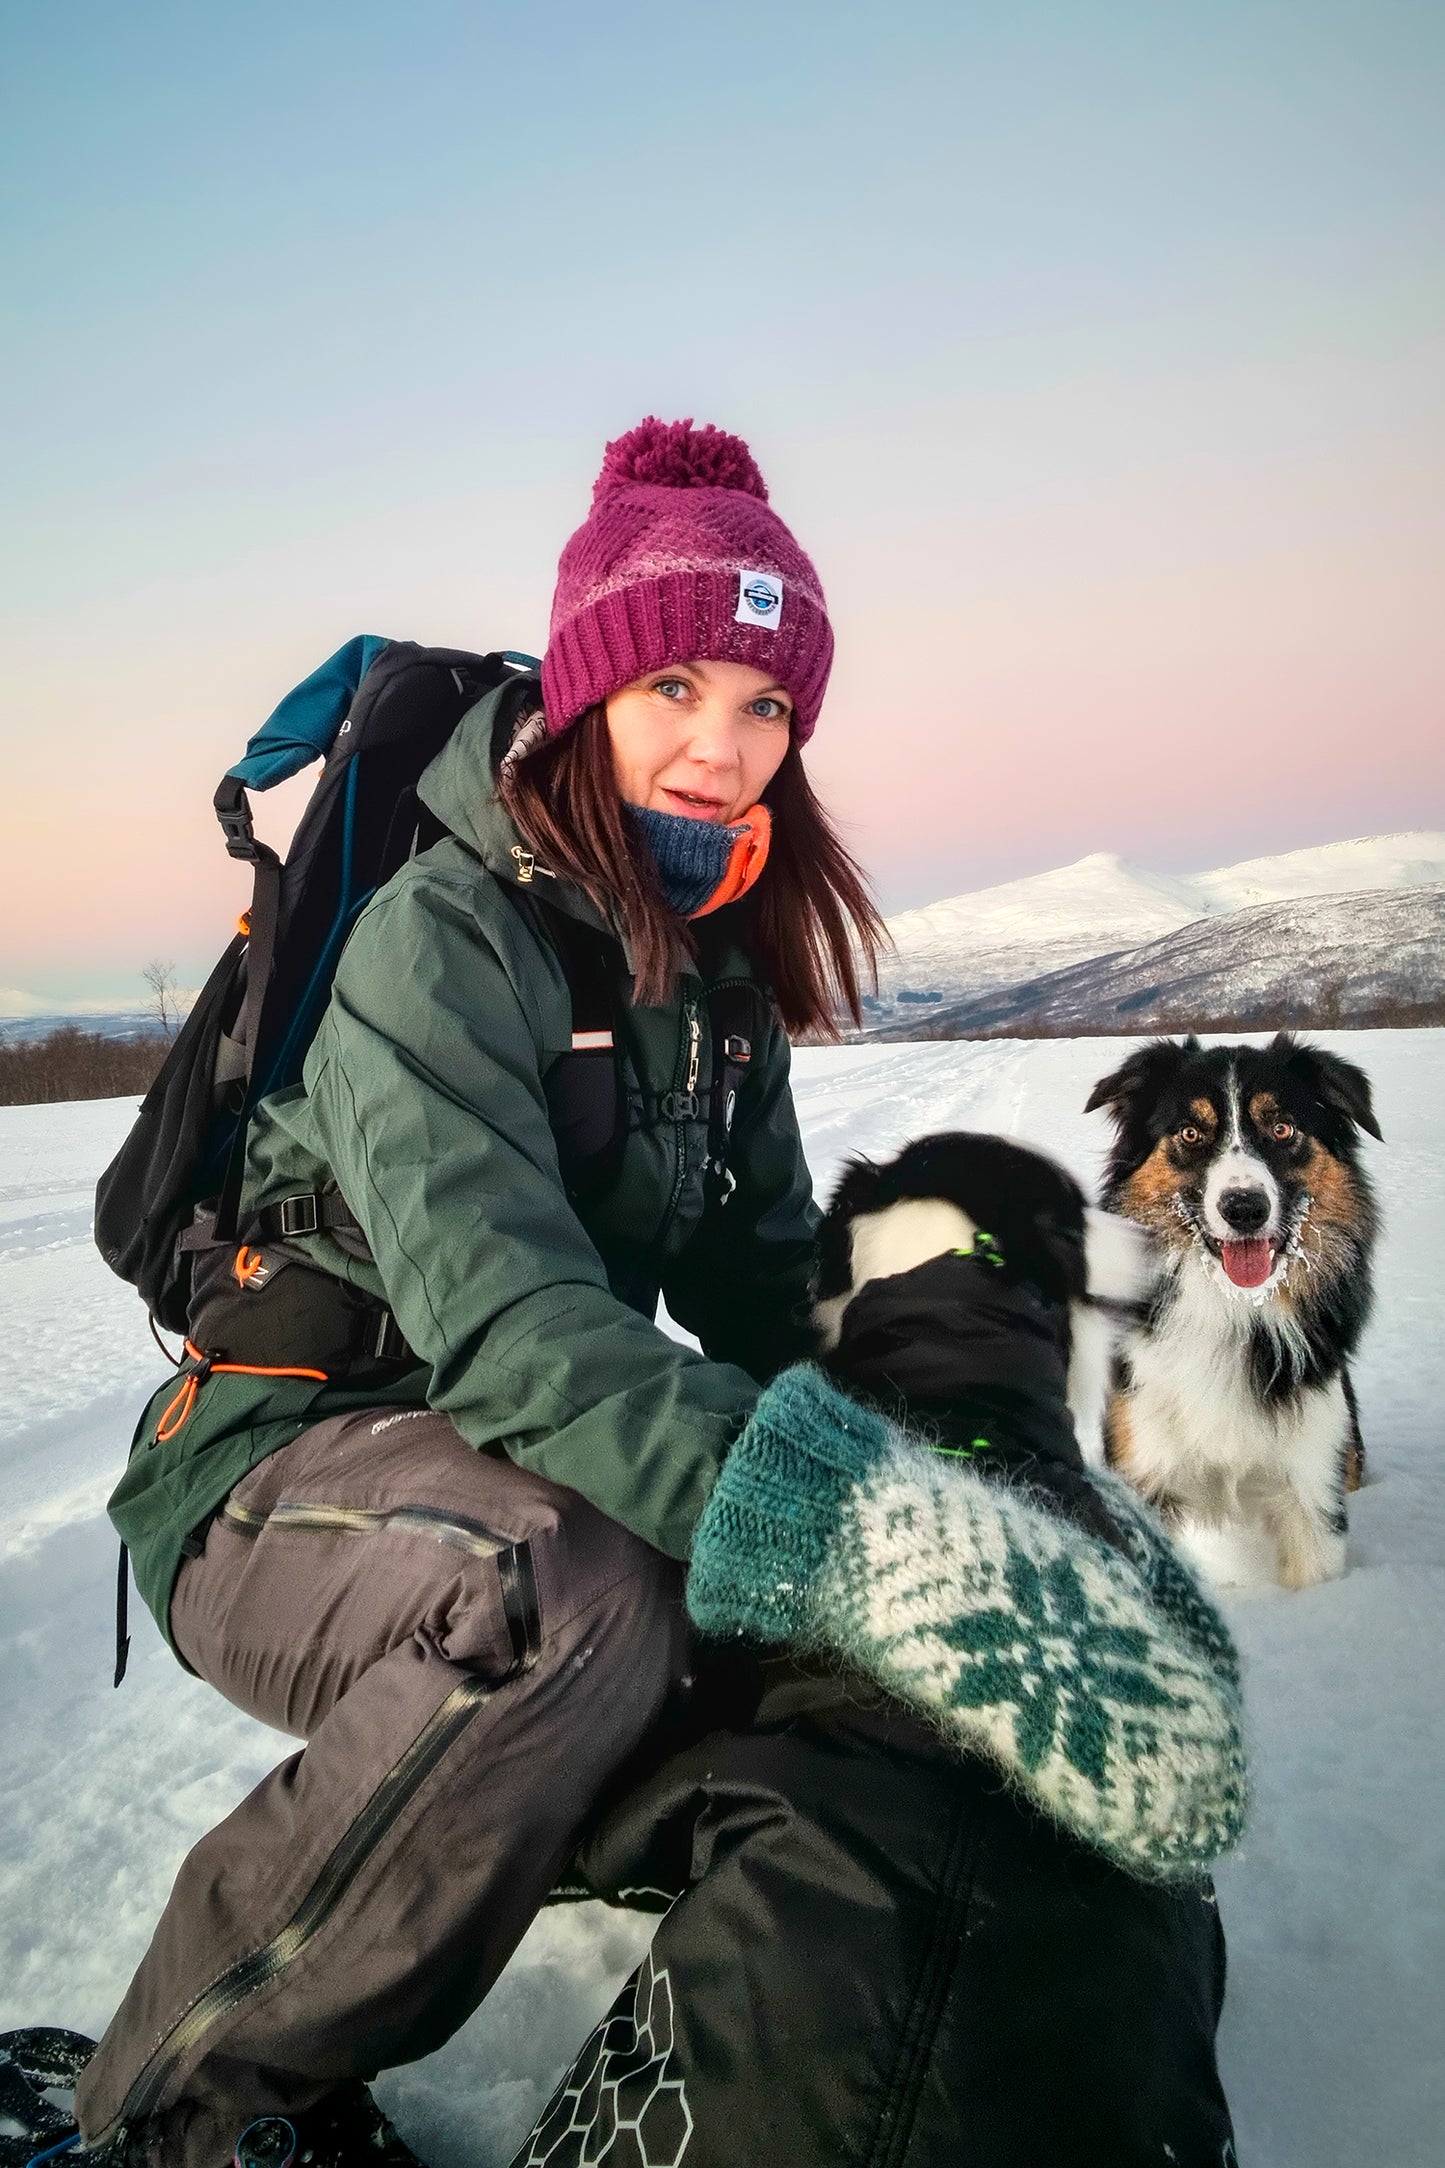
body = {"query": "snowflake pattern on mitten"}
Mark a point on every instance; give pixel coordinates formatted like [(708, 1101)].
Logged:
[(1103, 1686)]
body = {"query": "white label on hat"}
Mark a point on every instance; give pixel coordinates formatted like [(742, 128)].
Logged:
[(760, 599)]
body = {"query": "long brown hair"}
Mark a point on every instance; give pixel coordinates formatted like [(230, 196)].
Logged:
[(806, 923)]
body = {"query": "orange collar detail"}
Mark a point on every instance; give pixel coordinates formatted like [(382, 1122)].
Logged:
[(746, 860)]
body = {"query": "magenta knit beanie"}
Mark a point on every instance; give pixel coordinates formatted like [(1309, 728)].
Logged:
[(681, 559)]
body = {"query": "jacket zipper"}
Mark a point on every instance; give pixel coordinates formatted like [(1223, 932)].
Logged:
[(688, 1068), (394, 1793), (694, 1047), (918, 2038)]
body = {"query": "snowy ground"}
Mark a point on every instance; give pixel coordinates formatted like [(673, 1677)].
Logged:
[(1335, 1910)]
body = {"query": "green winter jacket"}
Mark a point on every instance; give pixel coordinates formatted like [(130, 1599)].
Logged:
[(422, 1100)]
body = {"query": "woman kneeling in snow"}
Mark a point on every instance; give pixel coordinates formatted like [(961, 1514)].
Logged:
[(461, 1583)]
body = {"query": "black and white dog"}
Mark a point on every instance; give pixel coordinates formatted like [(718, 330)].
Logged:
[(939, 1194), (1233, 1410)]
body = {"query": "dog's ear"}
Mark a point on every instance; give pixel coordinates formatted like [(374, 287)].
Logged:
[(856, 1189), (854, 1192), (1332, 1080), (1143, 1075)]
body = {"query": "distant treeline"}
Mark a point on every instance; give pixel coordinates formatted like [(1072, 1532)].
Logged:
[(73, 1064), (1334, 1011), (1393, 1014)]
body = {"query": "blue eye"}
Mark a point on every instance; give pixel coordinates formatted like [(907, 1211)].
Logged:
[(769, 710), (671, 688)]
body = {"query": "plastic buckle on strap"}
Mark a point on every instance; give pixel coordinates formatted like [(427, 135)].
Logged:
[(680, 1106), (736, 1048), (299, 1216), (233, 811), (390, 1343)]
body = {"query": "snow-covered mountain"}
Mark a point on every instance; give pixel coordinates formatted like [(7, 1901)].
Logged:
[(979, 953), (1373, 958), (104, 1023)]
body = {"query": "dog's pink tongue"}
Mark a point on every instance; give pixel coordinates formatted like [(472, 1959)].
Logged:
[(1249, 1264)]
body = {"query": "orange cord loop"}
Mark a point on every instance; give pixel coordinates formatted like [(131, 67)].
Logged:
[(177, 1411), (179, 1408)]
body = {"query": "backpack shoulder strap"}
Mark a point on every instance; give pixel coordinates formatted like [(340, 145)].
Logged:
[(585, 1088), (734, 1010), (259, 926)]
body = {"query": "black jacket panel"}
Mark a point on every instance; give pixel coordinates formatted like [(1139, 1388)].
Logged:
[(882, 1958)]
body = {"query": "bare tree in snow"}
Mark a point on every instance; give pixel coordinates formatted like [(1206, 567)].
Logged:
[(164, 1004)]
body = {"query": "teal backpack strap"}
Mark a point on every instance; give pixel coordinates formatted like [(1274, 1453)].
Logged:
[(300, 729)]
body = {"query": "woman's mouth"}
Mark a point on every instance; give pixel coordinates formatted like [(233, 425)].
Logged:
[(693, 805)]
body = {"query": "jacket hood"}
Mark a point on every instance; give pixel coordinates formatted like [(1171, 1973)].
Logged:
[(460, 787)]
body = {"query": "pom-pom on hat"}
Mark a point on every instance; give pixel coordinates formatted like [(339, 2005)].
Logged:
[(682, 559)]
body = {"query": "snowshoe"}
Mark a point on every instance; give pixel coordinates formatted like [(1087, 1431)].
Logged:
[(35, 2063), (346, 2129)]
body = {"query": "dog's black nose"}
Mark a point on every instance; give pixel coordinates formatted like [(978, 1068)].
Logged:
[(1245, 1210)]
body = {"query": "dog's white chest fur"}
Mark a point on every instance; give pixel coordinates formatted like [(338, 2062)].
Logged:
[(1255, 1483)]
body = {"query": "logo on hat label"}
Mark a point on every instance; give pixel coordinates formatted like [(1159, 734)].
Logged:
[(760, 599)]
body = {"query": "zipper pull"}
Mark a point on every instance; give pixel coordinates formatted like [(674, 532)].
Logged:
[(694, 1047), (527, 865)]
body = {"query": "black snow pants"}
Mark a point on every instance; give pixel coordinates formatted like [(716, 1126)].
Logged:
[(879, 1956)]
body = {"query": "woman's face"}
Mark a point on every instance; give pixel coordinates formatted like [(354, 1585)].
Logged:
[(703, 739)]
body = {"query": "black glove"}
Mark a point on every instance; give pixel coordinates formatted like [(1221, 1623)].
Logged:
[(976, 1362)]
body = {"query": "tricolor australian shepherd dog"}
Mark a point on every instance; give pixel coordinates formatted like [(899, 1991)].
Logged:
[(1232, 1409), (938, 1194)]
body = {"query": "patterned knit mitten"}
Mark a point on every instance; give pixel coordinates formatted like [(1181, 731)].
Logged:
[(1104, 1685)]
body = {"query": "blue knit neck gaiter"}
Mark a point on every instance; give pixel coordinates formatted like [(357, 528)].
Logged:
[(691, 856)]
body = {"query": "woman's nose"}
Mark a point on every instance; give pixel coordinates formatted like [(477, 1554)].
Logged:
[(714, 742)]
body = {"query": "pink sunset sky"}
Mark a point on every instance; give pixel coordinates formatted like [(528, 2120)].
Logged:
[(1096, 356)]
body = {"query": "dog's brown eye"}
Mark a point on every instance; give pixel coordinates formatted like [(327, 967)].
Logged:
[(1190, 1134), (1283, 1132)]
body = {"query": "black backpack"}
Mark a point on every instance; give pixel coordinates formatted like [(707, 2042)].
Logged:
[(376, 713), (166, 1208)]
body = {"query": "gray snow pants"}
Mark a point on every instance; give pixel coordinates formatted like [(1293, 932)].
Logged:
[(469, 1651)]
